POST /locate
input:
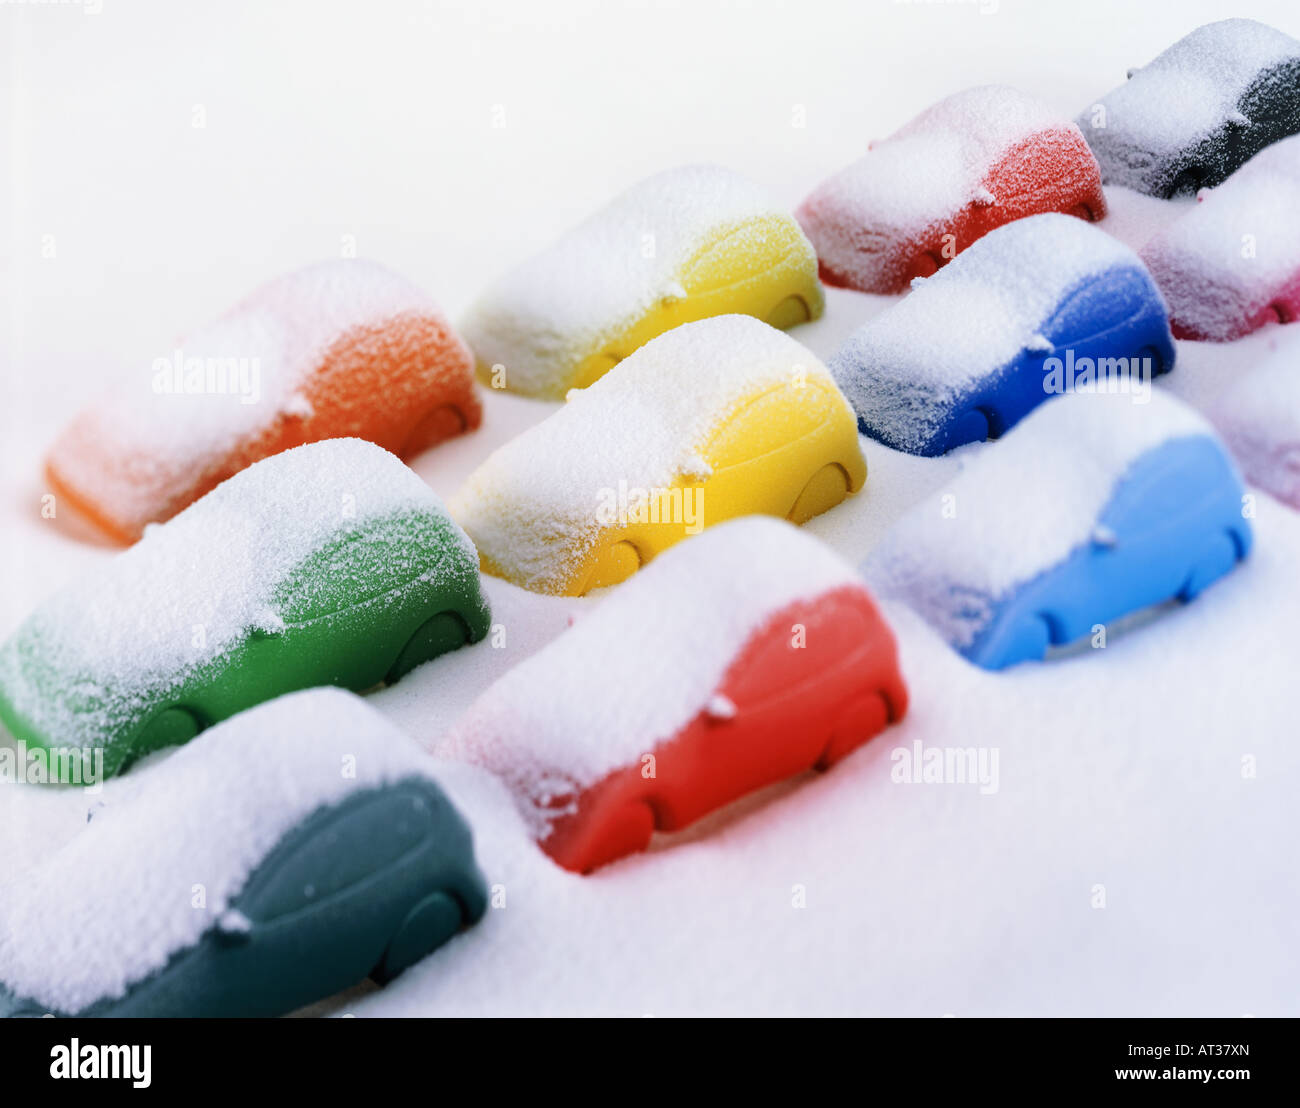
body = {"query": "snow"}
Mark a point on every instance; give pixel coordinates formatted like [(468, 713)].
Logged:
[(141, 449), (95, 657), (1259, 418), (1226, 258), (902, 372), (1181, 98), (633, 672), (918, 179), (1121, 769), (117, 900), (594, 283), (536, 504), (1020, 507)]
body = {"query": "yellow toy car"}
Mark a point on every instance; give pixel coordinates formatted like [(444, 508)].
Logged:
[(683, 245), (720, 418)]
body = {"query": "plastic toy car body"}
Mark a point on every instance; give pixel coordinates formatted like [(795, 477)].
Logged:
[(1117, 507), (740, 659), (246, 875), (328, 564), (972, 162), (1258, 415), (1042, 305), (683, 245), (1199, 111), (715, 419), (339, 349), (1231, 264)]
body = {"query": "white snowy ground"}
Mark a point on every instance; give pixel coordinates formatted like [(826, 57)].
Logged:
[(1119, 769)]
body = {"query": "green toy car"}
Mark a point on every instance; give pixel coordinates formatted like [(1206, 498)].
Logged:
[(246, 875), (329, 564)]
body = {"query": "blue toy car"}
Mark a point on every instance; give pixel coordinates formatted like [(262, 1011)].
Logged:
[(1041, 306), (1093, 509), (282, 856)]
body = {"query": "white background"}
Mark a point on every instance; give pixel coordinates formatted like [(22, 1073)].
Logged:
[(129, 224)]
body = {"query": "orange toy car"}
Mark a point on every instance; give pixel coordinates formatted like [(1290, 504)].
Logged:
[(338, 349)]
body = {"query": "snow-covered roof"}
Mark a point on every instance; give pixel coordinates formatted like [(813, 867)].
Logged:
[(1229, 255), (1021, 506), (641, 665), (118, 901), (597, 280), (96, 655), (535, 504), (906, 369)]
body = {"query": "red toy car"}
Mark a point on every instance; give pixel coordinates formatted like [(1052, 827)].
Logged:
[(970, 163), (737, 659)]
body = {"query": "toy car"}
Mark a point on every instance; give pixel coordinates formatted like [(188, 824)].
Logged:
[(1258, 415), (682, 245), (1199, 111), (1042, 305), (328, 564), (339, 349), (715, 419), (1231, 264), (739, 659), (972, 162), (1092, 508), (247, 875)]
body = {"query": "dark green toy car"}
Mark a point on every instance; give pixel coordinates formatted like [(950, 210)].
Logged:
[(246, 875), (330, 564)]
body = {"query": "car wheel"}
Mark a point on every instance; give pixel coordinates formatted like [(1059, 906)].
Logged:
[(792, 311), (627, 830), (1216, 556), (428, 925), (613, 565), (826, 488), (170, 727), (443, 422), (1187, 183), (443, 633), (862, 718), (926, 264), (1150, 353)]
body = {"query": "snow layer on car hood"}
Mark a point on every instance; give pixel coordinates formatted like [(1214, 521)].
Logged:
[(642, 664), (534, 504), (923, 173), (141, 445), (583, 291), (1021, 506), (115, 903), (97, 653), (1229, 255), (1182, 96), (905, 369)]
